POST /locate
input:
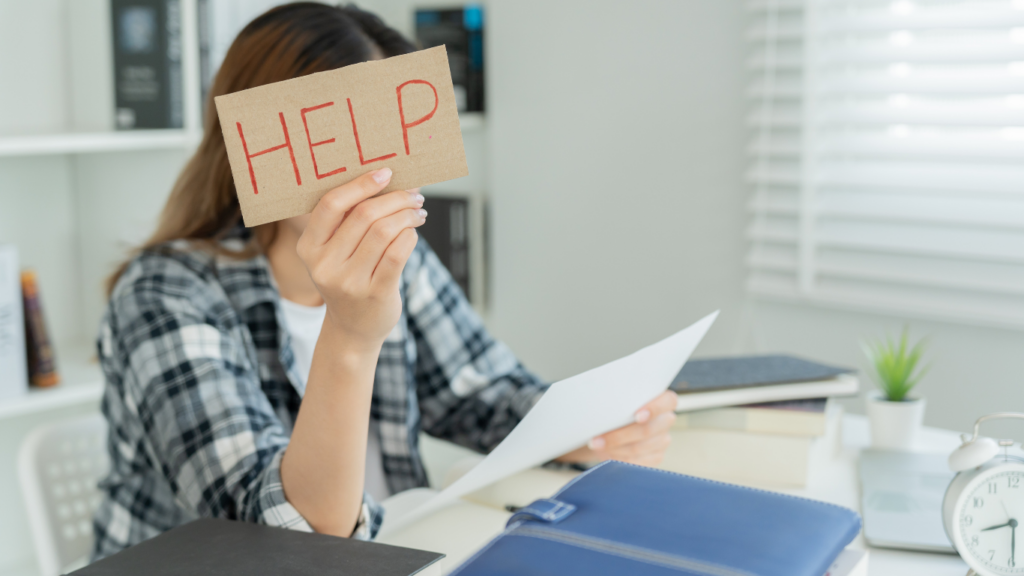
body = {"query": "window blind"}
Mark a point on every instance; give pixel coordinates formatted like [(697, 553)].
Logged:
[(887, 156)]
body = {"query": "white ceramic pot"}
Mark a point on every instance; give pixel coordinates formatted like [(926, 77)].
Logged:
[(894, 425)]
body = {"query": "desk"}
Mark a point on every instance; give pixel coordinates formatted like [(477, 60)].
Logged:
[(463, 528)]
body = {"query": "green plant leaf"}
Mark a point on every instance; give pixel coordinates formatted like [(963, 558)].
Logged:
[(896, 364)]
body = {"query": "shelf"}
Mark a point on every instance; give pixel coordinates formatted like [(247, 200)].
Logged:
[(87, 143), (81, 383), (90, 143)]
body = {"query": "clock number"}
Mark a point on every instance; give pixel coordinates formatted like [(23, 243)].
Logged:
[(1010, 562), (968, 520), (974, 541), (979, 502), (1013, 482), (991, 555), (991, 487)]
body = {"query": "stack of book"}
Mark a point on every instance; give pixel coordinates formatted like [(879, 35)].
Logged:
[(756, 420)]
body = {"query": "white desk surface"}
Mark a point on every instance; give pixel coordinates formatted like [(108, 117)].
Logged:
[(460, 530)]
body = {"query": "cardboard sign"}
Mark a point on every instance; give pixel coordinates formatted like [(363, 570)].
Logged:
[(290, 142)]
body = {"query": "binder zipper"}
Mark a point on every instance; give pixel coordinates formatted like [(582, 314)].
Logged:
[(639, 554)]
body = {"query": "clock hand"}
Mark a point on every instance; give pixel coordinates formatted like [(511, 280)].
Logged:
[(1014, 523), (1013, 542)]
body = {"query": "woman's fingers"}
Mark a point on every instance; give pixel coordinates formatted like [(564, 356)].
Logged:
[(665, 402), (380, 236), (634, 432), (332, 207), (367, 213), (651, 446), (389, 270)]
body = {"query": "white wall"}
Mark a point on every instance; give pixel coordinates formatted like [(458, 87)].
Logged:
[(617, 204), (616, 164)]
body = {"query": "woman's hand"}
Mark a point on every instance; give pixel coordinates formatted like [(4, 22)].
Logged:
[(644, 442), (355, 248)]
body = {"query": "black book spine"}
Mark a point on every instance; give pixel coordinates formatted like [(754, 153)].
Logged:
[(447, 233), (147, 64), (473, 21)]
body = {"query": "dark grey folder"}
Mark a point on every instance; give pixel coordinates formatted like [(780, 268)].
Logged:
[(224, 548), (749, 371)]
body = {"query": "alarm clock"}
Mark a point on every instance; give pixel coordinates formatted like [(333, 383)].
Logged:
[(983, 510)]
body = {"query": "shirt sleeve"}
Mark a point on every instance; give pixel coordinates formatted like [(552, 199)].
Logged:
[(472, 389), (194, 388)]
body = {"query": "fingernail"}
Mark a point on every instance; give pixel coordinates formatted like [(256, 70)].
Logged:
[(422, 213), (381, 176), (596, 444), (643, 415), (418, 198)]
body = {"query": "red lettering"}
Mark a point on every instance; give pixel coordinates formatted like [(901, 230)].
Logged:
[(287, 144), (401, 112), (355, 132), (316, 170)]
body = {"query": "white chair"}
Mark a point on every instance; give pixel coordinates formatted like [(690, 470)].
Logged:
[(59, 466)]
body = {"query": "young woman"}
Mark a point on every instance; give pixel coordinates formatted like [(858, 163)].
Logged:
[(282, 374)]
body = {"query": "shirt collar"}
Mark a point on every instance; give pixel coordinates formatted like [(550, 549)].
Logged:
[(248, 283)]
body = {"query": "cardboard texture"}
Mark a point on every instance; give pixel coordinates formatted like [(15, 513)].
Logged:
[(290, 142)]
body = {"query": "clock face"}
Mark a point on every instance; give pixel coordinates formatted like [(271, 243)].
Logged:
[(990, 523)]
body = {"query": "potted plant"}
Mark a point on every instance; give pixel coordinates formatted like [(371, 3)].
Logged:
[(896, 417)]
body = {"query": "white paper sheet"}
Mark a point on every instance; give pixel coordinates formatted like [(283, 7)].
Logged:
[(572, 412)]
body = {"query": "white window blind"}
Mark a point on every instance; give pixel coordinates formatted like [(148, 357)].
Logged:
[(887, 156)]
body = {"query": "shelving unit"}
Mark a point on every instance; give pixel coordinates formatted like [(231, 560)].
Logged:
[(81, 383), (76, 195), (97, 142)]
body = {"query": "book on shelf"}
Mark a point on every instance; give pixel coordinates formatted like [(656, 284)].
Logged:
[(42, 363), (225, 547), (790, 417), (739, 380), (766, 460), (447, 233), (461, 32), (13, 368), (148, 89)]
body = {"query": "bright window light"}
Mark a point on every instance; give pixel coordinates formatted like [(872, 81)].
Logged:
[(1012, 132), (901, 38), (903, 7), (911, 166), (899, 130), (902, 69), (899, 100)]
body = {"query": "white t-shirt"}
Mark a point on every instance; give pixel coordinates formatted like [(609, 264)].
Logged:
[(304, 324)]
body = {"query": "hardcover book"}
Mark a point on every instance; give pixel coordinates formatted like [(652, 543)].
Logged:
[(447, 232), (147, 64), (739, 380), (790, 418), (227, 548), (42, 364), (619, 518), (461, 31)]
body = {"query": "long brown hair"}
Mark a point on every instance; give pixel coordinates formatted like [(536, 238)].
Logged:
[(286, 42)]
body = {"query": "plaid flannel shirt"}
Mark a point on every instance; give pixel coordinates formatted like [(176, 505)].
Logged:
[(202, 391)]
